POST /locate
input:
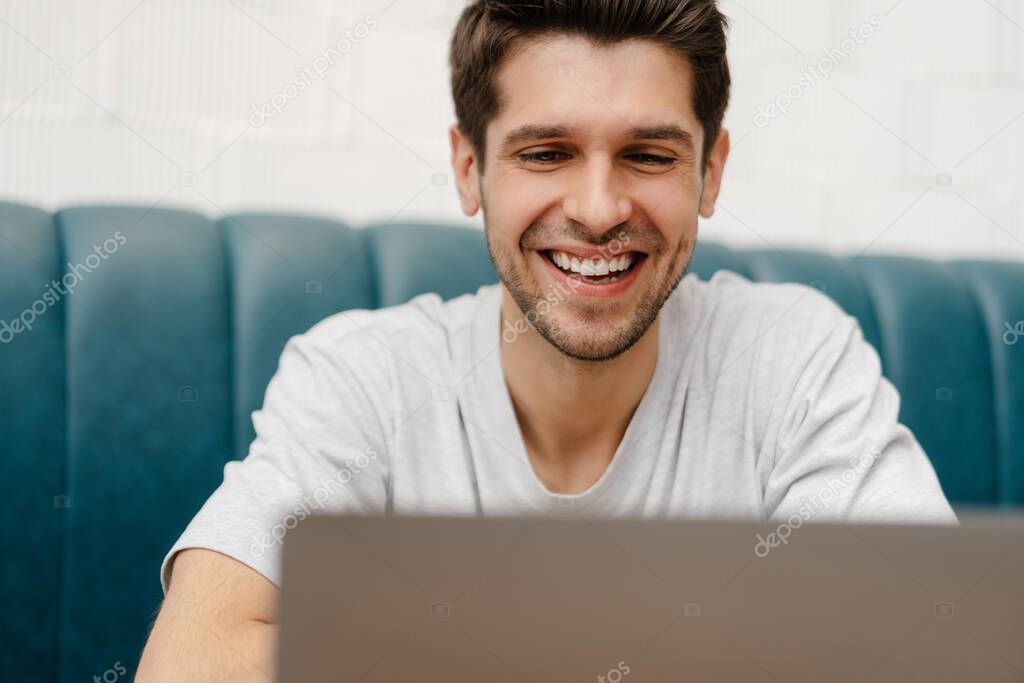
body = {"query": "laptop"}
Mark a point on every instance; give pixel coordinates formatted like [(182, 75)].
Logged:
[(566, 598)]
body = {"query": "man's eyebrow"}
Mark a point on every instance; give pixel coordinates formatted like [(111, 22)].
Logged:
[(670, 132), (534, 132)]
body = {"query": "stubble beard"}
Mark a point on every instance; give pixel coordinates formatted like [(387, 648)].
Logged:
[(598, 343)]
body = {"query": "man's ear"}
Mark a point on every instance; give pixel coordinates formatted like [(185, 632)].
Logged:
[(465, 166), (713, 174)]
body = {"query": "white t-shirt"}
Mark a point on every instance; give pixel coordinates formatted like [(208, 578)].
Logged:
[(766, 403)]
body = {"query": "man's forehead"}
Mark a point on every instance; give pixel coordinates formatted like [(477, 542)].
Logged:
[(569, 57), (562, 78)]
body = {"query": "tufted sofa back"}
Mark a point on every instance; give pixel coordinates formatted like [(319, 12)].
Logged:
[(125, 398)]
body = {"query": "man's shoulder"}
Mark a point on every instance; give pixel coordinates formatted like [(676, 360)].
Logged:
[(777, 323), (418, 330), (786, 312)]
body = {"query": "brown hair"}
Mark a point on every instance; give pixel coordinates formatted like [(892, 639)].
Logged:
[(489, 29)]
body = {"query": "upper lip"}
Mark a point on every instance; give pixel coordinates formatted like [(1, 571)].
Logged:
[(585, 252)]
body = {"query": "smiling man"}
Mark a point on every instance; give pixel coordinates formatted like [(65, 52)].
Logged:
[(596, 377)]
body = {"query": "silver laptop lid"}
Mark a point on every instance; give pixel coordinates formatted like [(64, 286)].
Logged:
[(561, 598)]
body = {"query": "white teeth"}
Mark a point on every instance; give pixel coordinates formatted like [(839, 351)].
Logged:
[(594, 265)]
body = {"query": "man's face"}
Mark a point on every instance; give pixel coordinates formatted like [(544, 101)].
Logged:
[(592, 187)]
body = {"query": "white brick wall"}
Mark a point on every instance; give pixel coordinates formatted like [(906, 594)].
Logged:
[(162, 88)]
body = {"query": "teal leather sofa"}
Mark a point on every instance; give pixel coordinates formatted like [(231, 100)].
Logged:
[(122, 403)]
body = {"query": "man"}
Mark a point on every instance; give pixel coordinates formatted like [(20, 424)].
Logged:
[(595, 375)]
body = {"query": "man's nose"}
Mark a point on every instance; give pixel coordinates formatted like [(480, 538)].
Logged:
[(598, 197)]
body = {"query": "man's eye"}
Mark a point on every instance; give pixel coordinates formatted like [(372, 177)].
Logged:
[(652, 159), (545, 157), (554, 156)]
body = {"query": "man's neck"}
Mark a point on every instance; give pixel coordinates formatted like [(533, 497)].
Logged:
[(572, 413)]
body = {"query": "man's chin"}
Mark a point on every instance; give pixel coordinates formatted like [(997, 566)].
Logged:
[(597, 339)]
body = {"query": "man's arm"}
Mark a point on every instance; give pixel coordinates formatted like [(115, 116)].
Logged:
[(218, 622), (842, 453), (321, 411)]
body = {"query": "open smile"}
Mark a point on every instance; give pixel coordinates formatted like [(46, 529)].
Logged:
[(595, 274)]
